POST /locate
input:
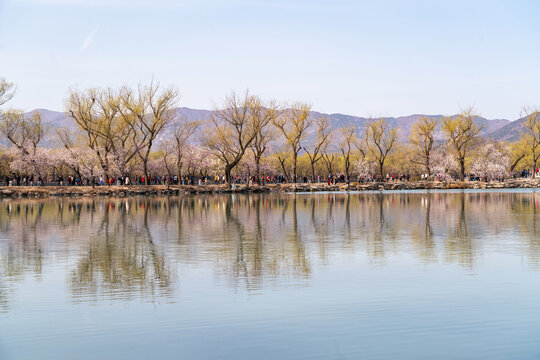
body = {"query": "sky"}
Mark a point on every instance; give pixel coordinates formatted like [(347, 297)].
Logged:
[(364, 58)]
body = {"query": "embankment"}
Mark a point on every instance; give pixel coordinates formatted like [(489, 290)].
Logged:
[(122, 191)]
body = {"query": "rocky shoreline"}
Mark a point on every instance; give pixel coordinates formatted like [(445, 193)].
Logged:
[(123, 191)]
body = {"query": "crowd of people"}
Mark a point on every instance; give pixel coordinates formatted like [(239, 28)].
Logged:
[(187, 180), (30, 180)]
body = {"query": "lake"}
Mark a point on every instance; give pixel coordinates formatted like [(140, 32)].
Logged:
[(393, 275)]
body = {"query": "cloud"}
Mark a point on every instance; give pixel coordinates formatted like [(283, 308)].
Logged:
[(89, 39)]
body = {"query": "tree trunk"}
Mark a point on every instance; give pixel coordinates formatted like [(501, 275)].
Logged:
[(104, 162), (461, 169), (145, 166), (179, 169), (295, 156), (228, 169), (258, 170), (381, 170), (106, 170), (145, 162), (513, 166), (282, 163)]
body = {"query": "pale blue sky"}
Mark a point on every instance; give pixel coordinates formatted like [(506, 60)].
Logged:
[(366, 58)]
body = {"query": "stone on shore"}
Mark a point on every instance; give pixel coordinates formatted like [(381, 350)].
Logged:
[(161, 190)]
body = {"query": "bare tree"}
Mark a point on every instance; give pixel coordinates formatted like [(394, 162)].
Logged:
[(167, 148), (264, 114), (95, 112), (518, 151), (25, 133), (127, 141), (329, 159), (294, 124), (324, 133), (347, 144), (380, 139), (461, 131), (232, 130), (7, 91), (531, 135), (22, 131), (183, 130), (147, 112), (283, 156), (422, 138)]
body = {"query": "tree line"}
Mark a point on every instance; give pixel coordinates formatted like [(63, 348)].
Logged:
[(135, 132)]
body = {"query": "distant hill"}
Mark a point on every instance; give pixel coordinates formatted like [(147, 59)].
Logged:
[(509, 132), (497, 129), (405, 123)]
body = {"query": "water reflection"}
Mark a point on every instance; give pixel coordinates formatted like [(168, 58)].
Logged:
[(121, 257), (137, 247)]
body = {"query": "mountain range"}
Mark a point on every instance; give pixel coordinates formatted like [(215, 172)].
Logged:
[(496, 129)]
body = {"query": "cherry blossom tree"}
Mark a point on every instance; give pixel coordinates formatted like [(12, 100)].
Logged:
[(38, 162), (365, 168), (491, 162), (182, 132), (25, 133), (443, 163)]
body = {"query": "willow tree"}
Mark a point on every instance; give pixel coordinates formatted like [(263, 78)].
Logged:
[(294, 124), (422, 137), (232, 129), (518, 152), (347, 145), (531, 136), (146, 113), (329, 159), (461, 131), (95, 112), (183, 130), (324, 133), (283, 157), (7, 91), (379, 139), (265, 115)]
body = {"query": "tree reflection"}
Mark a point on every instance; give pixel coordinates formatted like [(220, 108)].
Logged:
[(524, 208), (121, 258), (22, 222), (422, 235), (253, 245), (137, 247), (458, 243), (375, 231)]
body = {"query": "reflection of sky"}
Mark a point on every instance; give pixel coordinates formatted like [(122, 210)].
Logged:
[(399, 310), (350, 304)]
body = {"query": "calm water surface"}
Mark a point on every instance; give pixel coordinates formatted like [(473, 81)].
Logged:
[(439, 275)]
